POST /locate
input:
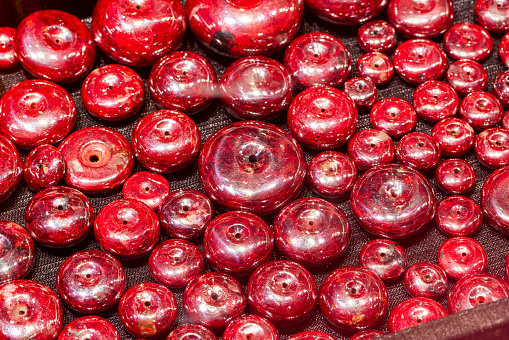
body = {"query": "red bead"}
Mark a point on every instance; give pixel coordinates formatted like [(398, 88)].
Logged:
[(434, 100), (213, 300), (385, 258), (148, 310), (191, 332), (352, 291), (362, 91), (237, 243), (492, 15), (113, 92), (376, 66), (35, 112), (250, 327), (492, 148), (8, 58), (90, 281), (418, 60), (91, 328), (186, 213), (11, 168), (29, 310), (467, 76), (367, 334), (454, 136), (311, 231), (394, 116), (346, 12), (419, 151), (256, 88), (55, 45), (455, 176), (481, 110), (393, 201), (458, 216), (183, 81), (97, 159), (138, 33), (147, 187), (283, 292), (331, 174), (466, 40), (377, 36), (317, 59), (501, 89), (494, 198), (166, 141), (503, 47), (462, 256), (59, 217), (322, 118), (475, 290), (44, 167), (414, 311), (369, 148), (427, 280), (127, 228), (240, 28), (18, 252), (505, 121), (252, 166), (311, 335)]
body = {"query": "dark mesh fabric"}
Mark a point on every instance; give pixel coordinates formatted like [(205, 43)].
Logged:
[(422, 247)]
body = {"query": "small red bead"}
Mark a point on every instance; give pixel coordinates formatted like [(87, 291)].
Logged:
[(481, 110), (455, 176), (505, 121), (44, 167), (454, 136), (501, 88), (377, 36), (191, 332), (458, 216), (18, 252), (419, 151), (492, 15), (376, 66), (8, 58), (467, 76), (369, 148), (147, 187), (466, 40), (494, 196), (462, 256), (91, 328), (385, 258), (346, 12), (311, 335), (394, 116), (367, 334), (11, 170), (434, 100), (414, 311), (492, 148), (427, 280), (250, 327), (503, 47), (362, 91)]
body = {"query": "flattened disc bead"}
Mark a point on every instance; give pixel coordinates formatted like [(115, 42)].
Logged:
[(251, 327), (394, 116), (385, 258), (191, 332), (458, 216), (501, 88), (454, 136), (492, 148), (467, 76), (466, 40), (369, 148), (455, 176), (481, 110), (413, 312), (377, 36), (252, 166), (8, 58), (89, 327), (434, 100), (367, 334), (346, 12), (147, 187), (495, 200), (426, 279), (503, 49), (311, 335), (11, 168), (419, 151), (17, 255), (44, 167), (505, 121), (376, 66), (462, 256), (492, 15), (363, 92)]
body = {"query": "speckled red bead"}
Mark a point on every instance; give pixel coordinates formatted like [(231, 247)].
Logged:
[(376, 66), (91, 328), (505, 121), (492, 15), (44, 167), (454, 136), (11, 168), (458, 216), (466, 40), (367, 334), (311, 335), (455, 176), (481, 110), (369, 148), (501, 88), (503, 48), (414, 311), (385, 258), (147, 187), (250, 327), (346, 12), (8, 58), (427, 280), (462, 256), (419, 151), (394, 116), (434, 100), (494, 198), (362, 91), (492, 148), (191, 332), (377, 36), (17, 256), (467, 76)]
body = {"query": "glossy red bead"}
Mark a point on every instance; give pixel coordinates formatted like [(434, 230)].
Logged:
[(97, 159), (481, 110), (44, 167), (367, 334), (393, 201), (454, 136), (369, 148), (240, 28), (257, 88), (147, 187), (346, 12), (90, 281), (362, 91), (35, 112), (282, 291), (466, 40), (352, 291), (458, 216), (311, 231), (505, 120), (317, 58), (394, 116), (214, 300), (503, 48), (8, 58), (494, 198), (127, 228), (418, 60), (426, 279), (377, 36), (191, 332), (492, 148), (251, 327), (311, 335), (385, 258), (18, 252), (376, 66), (462, 256), (59, 217), (419, 151), (455, 176), (91, 328), (414, 311), (322, 118), (492, 15), (237, 243), (501, 88), (434, 100), (467, 76), (138, 32), (55, 45), (252, 166), (11, 168)]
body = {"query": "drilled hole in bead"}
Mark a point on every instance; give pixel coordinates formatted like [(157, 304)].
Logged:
[(3, 44), (499, 143), (238, 235), (94, 159), (383, 254), (57, 41), (88, 276), (110, 87), (372, 145), (147, 189), (253, 159), (184, 73), (353, 291), (249, 336), (421, 144), (147, 303), (481, 105), (463, 254), (469, 40), (360, 87), (377, 66), (124, 222), (419, 320), (427, 278), (499, 5), (393, 194), (323, 110), (185, 208), (311, 222), (468, 73), (60, 207), (393, 114), (33, 106), (316, 55), (435, 96), (138, 7), (420, 55), (285, 285), (166, 133), (21, 312), (176, 259), (481, 299), (458, 212), (214, 296), (456, 171)]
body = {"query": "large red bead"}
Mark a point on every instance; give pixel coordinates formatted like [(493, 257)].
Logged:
[(462, 256), (11, 168), (17, 255), (8, 58), (434, 100), (495, 200), (44, 167), (492, 147), (492, 15), (426, 279), (458, 216), (90, 328), (466, 40), (413, 312), (250, 327), (369, 148), (346, 12)]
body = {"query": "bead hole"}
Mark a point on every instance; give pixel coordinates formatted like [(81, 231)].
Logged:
[(33, 106), (253, 159), (372, 145), (285, 285), (185, 208), (21, 312), (166, 133), (393, 194), (124, 222), (184, 73), (138, 7), (88, 276), (249, 336), (323, 110), (499, 5), (238, 236), (463, 254), (421, 144), (316, 55), (393, 114), (360, 87), (377, 66), (427, 278), (420, 55), (311, 223), (57, 41), (435, 96), (419, 320), (353, 291), (468, 73), (456, 171), (60, 207), (481, 299), (458, 213), (147, 189), (3, 44), (110, 87), (147, 303), (176, 259), (214, 296), (383, 254), (499, 143), (94, 159)]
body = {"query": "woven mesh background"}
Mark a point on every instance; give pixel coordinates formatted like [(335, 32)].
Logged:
[(422, 247)]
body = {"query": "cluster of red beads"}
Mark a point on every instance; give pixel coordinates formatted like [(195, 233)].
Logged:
[(254, 170)]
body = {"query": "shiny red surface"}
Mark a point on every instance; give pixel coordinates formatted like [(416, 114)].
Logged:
[(434, 100), (426, 279), (455, 176), (481, 110), (376, 66), (11, 168), (492, 148), (495, 198), (8, 58), (462, 256), (466, 40), (147, 187), (369, 148), (419, 151), (44, 167), (492, 15), (17, 252), (467, 76), (362, 91), (458, 216), (346, 12), (394, 116), (251, 327), (454, 136), (385, 258), (91, 328), (413, 312), (377, 36)]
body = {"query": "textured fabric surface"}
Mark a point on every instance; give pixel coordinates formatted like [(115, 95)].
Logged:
[(422, 247)]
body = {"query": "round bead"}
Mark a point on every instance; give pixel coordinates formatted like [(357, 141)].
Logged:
[(317, 59), (183, 81), (352, 291), (55, 45), (311, 231), (97, 159), (434, 100), (44, 167), (283, 292), (331, 174), (113, 92), (418, 60), (376, 66), (346, 12), (256, 88), (455, 176), (240, 28), (501, 88), (237, 243), (166, 141), (427, 280), (91, 328), (466, 40), (311, 335), (213, 300), (369, 148), (35, 112), (11, 168), (505, 121), (475, 290), (138, 33), (367, 334), (90, 281), (147, 187), (17, 255), (186, 213), (393, 201), (29, 310), (492, 148), (414, 311), (492, 15), (494, 198), (462, 256), (59, 217), (458, 216), (127, 228), (377, 36), (362, 91), (8, 58), (176, 262), (191, 332), (322, 118), (250, 327), (454, 136), (467, 76), (385, 258), (419, 151), (252, 166), (481, 110), (503, 48), (394, 116)]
